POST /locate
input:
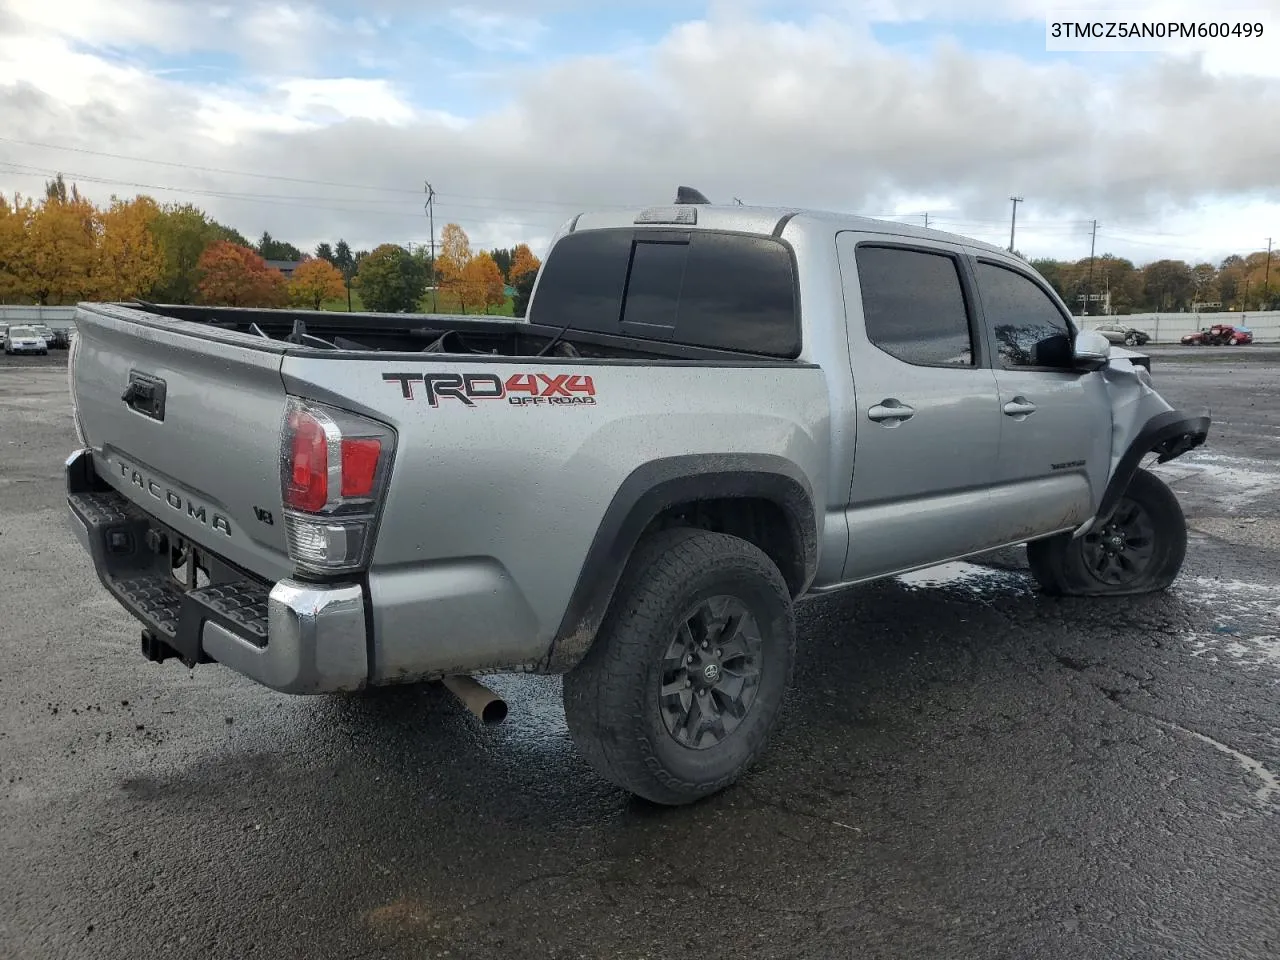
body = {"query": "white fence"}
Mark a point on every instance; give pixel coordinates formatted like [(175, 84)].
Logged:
[(55, 317), (1171, 327)]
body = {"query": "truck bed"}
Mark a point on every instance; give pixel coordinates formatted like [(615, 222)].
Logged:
[(500, 469), (351, 335)]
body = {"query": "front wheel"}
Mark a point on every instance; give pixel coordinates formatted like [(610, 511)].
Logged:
[(1139, 549), (1131, 340), (682, 687)]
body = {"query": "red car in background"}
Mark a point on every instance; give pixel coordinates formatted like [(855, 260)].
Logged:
[(1219, 335)]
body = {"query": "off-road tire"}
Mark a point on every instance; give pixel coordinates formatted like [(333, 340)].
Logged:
[(1060, 564), (612, 697)]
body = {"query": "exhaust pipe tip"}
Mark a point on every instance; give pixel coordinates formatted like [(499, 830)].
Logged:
[(480, 700)]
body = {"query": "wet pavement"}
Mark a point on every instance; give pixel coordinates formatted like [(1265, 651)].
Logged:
[(966, 769)]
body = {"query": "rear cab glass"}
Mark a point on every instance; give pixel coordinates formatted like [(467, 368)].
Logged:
[(724, 291)]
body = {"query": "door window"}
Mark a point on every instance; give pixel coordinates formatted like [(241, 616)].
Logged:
[(914, 306), (1030, 330)]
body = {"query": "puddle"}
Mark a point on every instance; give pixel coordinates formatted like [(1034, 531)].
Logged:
[(959, 573)]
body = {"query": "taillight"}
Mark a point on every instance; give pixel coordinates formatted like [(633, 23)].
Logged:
[(333, 471)]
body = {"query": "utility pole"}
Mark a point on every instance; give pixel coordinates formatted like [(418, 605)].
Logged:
[(1014, 222), (431, 221), (1092, 241), (926, 219), (1266, 283)]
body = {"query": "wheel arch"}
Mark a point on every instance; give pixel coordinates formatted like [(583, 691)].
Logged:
[(764, 498), (1168, 435)]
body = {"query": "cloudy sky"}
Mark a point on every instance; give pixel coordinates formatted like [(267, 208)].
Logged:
[(319, 119)]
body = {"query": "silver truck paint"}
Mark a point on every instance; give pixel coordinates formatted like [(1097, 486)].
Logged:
[(493, 507)]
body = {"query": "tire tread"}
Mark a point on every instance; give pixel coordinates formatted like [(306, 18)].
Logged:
[(604, 693)]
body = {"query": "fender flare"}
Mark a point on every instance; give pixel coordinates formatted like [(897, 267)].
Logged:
[(652, 488), (1168, 435)]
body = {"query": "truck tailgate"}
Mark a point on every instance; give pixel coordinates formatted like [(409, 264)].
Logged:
[(196, 441)]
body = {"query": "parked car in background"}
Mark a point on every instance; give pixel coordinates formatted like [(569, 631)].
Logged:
[(1122, 333), (4, 333), (1219, 335), (25, 340), (61, 338), (45, 331)]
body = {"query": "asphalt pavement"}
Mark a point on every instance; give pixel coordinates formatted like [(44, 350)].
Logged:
[(966, 768)]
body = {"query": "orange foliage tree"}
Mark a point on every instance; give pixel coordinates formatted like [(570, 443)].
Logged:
[(524, 262), (314, 281), (482, 278), (60, 252), (130, 261), (14, 220), (235, 276), (451, 266), (523, 273)]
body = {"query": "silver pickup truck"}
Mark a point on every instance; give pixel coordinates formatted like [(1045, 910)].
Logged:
[(709, 413)]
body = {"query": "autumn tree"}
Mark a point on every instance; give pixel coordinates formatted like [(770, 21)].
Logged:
[(523, 272), (483, 282), (183, 232), (451, 266), (389, 279), (236, 276), (129, 262), (314, 281), (14, 220), (61, 247)]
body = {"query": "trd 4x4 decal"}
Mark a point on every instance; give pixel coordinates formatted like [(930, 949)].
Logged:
[(521, 389)]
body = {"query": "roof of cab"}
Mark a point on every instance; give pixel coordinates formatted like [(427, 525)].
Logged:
[(763, 220)]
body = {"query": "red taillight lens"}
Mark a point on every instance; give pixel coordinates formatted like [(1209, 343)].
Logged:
[(360, 466), (308, 484), (334, 466)]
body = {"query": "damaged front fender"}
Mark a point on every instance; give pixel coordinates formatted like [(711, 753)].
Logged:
[(1142, 423)]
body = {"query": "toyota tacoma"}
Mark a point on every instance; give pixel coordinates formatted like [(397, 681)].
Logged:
[(709, 413)]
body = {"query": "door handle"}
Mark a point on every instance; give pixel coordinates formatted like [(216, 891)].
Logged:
[(1019, 408), (891, 412)]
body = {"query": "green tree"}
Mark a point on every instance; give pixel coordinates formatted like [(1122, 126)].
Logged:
[(390, 279), (184, 231), (272, 249), (503, 256), (325, 252), (346, 263), (1169, 285)]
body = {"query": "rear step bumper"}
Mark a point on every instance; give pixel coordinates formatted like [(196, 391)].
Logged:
[(291, 636)]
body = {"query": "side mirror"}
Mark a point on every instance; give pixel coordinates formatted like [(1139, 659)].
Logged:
[(1091, 351)]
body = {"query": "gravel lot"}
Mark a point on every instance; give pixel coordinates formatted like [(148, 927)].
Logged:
[(967, 769)]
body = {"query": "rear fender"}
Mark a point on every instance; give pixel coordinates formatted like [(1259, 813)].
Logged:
[(1142, 423), (661, 484)]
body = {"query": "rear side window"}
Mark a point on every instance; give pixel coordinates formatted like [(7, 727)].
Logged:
[(723, 291), (914, 306)]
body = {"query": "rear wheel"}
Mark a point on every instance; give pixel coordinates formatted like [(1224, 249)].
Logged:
[(1139, 549), (679, 693)]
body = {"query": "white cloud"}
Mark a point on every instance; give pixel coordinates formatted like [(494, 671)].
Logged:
[(812, 112)]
